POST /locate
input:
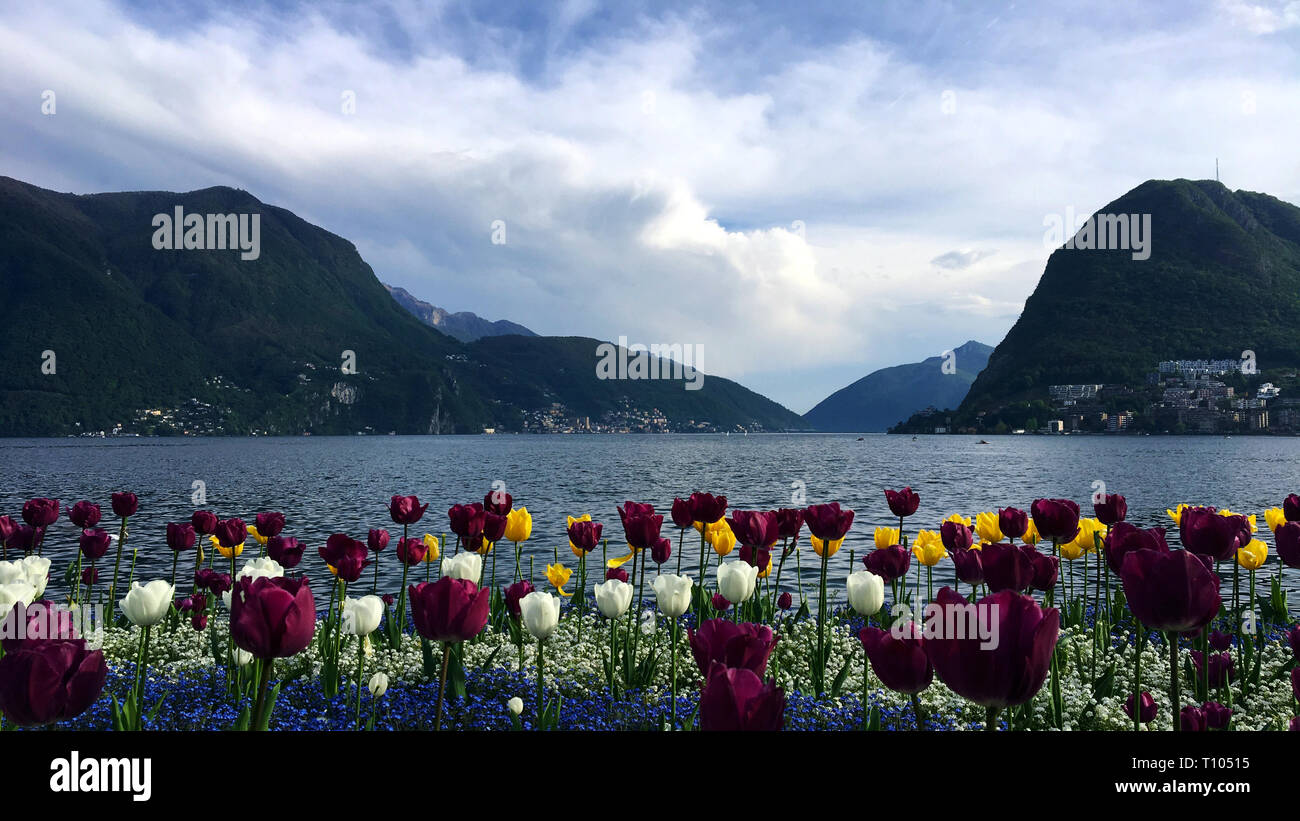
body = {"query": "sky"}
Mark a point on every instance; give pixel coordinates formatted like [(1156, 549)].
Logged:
[(803, 192)]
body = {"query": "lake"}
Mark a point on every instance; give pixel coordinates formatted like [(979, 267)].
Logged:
[(329, 484)]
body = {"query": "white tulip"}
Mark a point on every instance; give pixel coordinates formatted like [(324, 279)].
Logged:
[(243, 658), (736, 580), (14, 592), (613, 597), (540, 613), (146, 605), (515, 705), (378, 685), (256, 568), (467, 566), (361, 616), (673, 593), (866, 592), (35, 570)]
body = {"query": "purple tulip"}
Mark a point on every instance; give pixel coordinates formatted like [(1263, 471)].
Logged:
[(889, 563), (1192, 720), (1010, 673), (206, 578), (1046, 571), (1204, 532), (681, 513), (706, 508), (180, 536), (406, 510), (736, 699), (494, 526), (269, 524), (661, 551), (346, 555), (902, 503), (641, 524), (467, 523), (1291, 508), (746, 646), (1013, 522), (84, 514), (901, 663), (1220, 641), (1008, 566), (449, 610), (785, 601), (89, 576), (1124, 538), (515, 593), (1148, 708), (1221, 668), (1110, 509), (125, 504), (24, 538), (204, 522), (1288, 543), (286, 550), (789, 520), (1217, 716), (1171, 592), (411, 551), (585, 535), (1057, 520), (1294, 638), (756, 528), (616, 573), (199, 621), (231, 532), (969, 565), (377, 540), (7, 528), (94, 543), (720, 603), (828, 522), (956, 536), (41, 512), (47, 680), (498, 502), (272, 617)]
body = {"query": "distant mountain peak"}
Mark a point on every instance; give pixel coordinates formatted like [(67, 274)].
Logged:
[(461, 325)]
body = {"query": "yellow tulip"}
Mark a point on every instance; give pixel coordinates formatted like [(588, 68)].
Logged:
[(767, 571), (886, 536), (959, 519), (586, 517), (987, 528), (928, 548), (484, 548), (1084, 542), (431, 548), (558, 575), (1031, 534), (831, 548), (1274, 518), (519, 525), (252, 531), (237, 550), (621, 560), (1253, 555), (1177, 513), (721, 538)]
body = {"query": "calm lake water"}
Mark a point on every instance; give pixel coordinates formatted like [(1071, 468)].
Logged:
[(329, 484)]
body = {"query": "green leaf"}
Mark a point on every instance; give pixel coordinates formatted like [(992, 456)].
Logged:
[(839, 678)]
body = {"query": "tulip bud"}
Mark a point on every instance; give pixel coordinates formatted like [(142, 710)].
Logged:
[(784, 601), (515, 705), (378, 685), (1148, 712), (720, 603)]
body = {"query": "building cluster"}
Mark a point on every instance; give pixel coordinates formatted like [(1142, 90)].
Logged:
[(626, 418)]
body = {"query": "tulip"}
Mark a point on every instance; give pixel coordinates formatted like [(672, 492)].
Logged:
[(1055, 519), (954, 535), (640, 525), (720, 603), (737, 699), (231, 533), (7, 528), (902, 503), (498, 501), (721, 538), (347, 556), (94, 543), (736, 581), (146, 605), (41, 512), (515, 594), (1274, 517), (737, 646), (467, 522), (464, 566), (540, 613), (755, 528), (1012, 522), (180, 536), (681, 514), (285, 550), (928, 548), (661, 551), (889, 563), (1287, 537), (584, 536), (406, 510), (411, 551), (1147, 713), (378, 685), (885, 537), (1086, 540), (1008, 567), (1010, 673), (494, 527), (515, 705), (1221, 671), (969, 565), (828, 525), (519, 525), (271, 618), (1046, 572), (1172, 592), (613, 598), (988, 528), (616, 573), (900, 662), (825, 549), (828, 522), (788, 522), (1203, 531), (1253, 555), (1217, 716), (125, 504), (361, 616), (270, 524), (673, 594), (866, 593), (785, 601), (707, 508), (1291, 508), (1192, 719), (377, 540), (13, 593), (1124, 538), (84, 514), (558, 575), (1031, 536), (1110, 508), (257, 568), (449, 610), (89, 576), (1220, 641), (43, 681), (212, 581), (204, 522)]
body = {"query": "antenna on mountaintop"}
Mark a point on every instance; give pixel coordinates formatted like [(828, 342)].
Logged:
[(1216, 169)]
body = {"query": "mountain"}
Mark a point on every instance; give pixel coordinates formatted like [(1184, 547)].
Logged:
[(1222, 278), (105, 331), (885, 397), (462, 325)]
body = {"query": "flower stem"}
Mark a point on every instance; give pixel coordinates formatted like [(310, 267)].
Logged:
[(442, 685)]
